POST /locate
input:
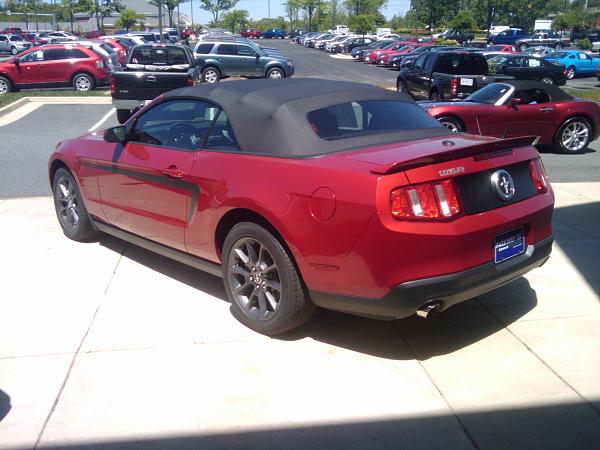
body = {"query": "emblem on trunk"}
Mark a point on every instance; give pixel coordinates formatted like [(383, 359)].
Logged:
[(503, 184)]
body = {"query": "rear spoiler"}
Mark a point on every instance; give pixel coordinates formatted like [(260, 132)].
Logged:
[(462, 152)]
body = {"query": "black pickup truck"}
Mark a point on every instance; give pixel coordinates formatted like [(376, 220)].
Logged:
[(451, 75), (151, 70)]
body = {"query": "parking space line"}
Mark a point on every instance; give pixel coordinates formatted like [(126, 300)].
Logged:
[(101, 121), (19, 113)]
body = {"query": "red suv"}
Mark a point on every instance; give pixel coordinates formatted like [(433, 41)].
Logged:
[(252, 33), (55, 65)]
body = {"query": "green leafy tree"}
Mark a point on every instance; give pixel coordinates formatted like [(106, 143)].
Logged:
[(235, 17), (217, 7), (362, 24), (364, 7), (292, 11), (309, 7), (265, 23), (128, 19), (171, 5), (73, 6), (463, 21)]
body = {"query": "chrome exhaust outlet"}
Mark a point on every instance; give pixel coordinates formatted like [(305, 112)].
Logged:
[(427, 310)]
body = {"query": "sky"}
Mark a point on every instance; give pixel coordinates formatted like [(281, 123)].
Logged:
[(259, 9)]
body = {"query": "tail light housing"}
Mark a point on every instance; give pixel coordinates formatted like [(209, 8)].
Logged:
[(100, 64), (190, 81), (538, 175), (454, 87), (426, 201), (113, 85)]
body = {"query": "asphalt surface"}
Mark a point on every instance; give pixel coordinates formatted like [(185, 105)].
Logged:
[(26, 145)]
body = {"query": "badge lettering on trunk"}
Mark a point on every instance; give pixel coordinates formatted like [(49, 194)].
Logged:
[(452, 171)]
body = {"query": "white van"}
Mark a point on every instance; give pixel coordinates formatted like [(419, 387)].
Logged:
[(339, 30)]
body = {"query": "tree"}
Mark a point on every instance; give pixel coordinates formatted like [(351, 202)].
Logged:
[(129, 19), (73, 6), (463, 21), (171, 5), (292, 10), (235, 17), (309, 6), (362, 24), (217, 7)]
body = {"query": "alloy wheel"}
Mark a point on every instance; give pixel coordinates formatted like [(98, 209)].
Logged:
[(83, 84), (571, 73), (450, 125), (211, 76), (275, 74), (575, 136), (67, 203), (547, 80), (14, 50), (254, 279), (3, 87)]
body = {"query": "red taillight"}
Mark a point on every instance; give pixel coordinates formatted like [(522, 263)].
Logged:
[(538, 175), (426, 201), (113, 85), (565, 72), (454, 87), (190, 81)]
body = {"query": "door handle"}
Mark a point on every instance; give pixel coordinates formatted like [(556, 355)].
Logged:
[(243, 60), (151, 78), (173, 172), (546, 109)]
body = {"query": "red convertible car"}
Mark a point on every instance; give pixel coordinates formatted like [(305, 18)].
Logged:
[(304, 192), (523, 108)]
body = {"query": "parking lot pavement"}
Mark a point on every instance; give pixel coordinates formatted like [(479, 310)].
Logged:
[(27, 143), (105, 345)]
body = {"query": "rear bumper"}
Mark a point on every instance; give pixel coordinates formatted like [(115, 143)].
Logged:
[(406, 298)]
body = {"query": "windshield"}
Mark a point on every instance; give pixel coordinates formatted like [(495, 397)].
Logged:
[(489, 94), (16, 38), (558, 55), (360, 118)]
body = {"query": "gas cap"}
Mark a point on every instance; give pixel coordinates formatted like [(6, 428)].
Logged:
[(322, 203)]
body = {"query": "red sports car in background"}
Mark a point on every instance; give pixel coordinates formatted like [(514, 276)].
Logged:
[(370, 57), (501, 48), (304, 192), (523, 108), (384, 57), (253, 33)]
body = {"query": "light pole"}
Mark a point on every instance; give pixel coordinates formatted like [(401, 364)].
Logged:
[(192, 8), (269, 8)]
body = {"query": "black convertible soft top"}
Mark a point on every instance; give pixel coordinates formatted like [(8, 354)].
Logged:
[(555, 93), (268, 116)]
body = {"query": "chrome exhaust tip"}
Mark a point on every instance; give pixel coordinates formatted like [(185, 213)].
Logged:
[(427, 310)]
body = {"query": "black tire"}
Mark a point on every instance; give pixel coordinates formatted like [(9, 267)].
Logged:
[(293, 307), (123, 115), (573, 122), (401, 86), (211, 75), (83, 82), (451, 123), (435, 96), (547, 80), (571, 72), (14, 51), (275, 73), (5, 85), (81, 228), (523, 47)]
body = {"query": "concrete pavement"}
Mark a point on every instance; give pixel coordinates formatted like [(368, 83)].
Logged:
[(105, 345)]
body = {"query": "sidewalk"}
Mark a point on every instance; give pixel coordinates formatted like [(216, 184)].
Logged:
[(105, 345)]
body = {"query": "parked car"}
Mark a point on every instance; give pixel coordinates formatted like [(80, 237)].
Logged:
[(358, 52), (523, 67), (351, 44), (508, 37), (315, 42), (323, 42), (103, 50), (300, 39), (576, 62), (12, 30), (539, 52), (297, 32), (384, 57), (93, 35), (448, 75), (55, 37), (371, 56), (523, 108), (252, 33), (274, 33), (458, 36), (551, 39), (500, 48), (34, 38), (152, 70), (14, 44), (394, 230), (592, 34), (118, 47), (225, 58), (339, 40), (55, 65), (310, 40), (403, 59)]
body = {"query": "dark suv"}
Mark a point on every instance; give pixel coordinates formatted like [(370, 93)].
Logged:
[(240, 58)]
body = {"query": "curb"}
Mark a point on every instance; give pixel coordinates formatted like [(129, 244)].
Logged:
[(55, 101)]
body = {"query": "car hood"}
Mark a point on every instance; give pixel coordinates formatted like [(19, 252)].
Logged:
[(390, 158)]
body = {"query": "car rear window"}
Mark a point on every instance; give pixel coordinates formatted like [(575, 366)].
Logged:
[(157, 56), (75, 53), (204, 49), (368, 117), (458, 64)]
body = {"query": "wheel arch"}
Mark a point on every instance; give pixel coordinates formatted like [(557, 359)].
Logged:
[(5, 75), (55, 165)]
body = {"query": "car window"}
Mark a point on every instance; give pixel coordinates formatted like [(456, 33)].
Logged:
[(53, 54), (531, 96), (419, 62), (462, 64), (32, 57), (245, 50), (368, 117), (75, 53), (226, 49), (180, 124), (221, 136), (3, 38), (582, 56), (204, 49), (490, 94)]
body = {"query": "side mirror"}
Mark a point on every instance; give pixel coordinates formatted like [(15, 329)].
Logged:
[(117, 135), (513, 102), (16, 62)]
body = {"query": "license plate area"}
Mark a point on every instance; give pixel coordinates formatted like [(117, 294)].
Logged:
[(466, 81), (508, 245)]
